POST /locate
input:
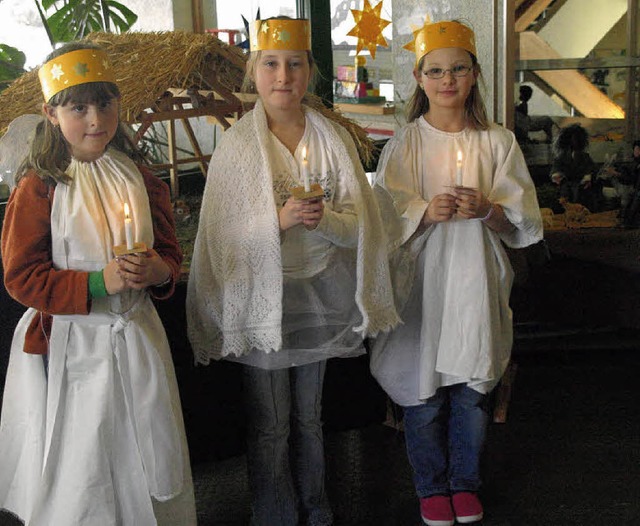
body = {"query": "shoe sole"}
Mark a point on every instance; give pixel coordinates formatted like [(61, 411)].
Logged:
[(470, 518), (429, 522)]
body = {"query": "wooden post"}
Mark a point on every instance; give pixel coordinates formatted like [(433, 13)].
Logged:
[(173, 157), (197, 18)]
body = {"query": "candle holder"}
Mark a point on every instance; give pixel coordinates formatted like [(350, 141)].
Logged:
[(299, 192), (122, 250)]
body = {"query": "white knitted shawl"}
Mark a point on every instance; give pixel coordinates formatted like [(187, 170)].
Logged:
[(234, 297)]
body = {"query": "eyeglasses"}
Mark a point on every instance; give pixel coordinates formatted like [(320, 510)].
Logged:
[(459, 70)]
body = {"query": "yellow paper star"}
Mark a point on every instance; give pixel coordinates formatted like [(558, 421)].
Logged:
[(56, 71), (368, 28)]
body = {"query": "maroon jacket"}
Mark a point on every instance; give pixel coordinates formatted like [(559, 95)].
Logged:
[(29, 275)]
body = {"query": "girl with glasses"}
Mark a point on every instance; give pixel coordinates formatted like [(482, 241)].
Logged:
[(453, 188)]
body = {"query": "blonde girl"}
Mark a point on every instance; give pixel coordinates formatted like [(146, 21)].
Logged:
[(453, 188), (280, 283)]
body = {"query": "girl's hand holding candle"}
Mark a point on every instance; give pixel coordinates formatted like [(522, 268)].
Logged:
[(128, 227)]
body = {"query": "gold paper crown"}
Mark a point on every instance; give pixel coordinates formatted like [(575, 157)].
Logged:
[(280, 33), (440, 35), (73, 68)]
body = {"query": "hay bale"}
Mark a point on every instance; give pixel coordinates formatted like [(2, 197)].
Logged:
[(149, 64)]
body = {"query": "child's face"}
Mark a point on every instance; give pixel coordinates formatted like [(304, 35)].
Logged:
[(450, 91), (281, 78), (87, 127)]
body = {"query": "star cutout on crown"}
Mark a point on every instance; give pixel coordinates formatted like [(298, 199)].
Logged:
[(56, 71), (81, 69), (283, 36), (411, 46), (368, 28)]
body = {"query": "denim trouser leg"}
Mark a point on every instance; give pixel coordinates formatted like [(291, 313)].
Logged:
[(307, 443), (445, 437), (425, 428), (268, 402), (467, 432)]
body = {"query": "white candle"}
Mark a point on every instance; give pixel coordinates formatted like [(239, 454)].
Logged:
[(128, 227), (305, 170), (459, 169)]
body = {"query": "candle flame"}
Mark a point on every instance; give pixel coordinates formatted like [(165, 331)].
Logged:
[(459, 156), (126, 211), (304, 153)]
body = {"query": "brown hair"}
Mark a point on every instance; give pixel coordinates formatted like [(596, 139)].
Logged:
[(49, 155), (474, 109)]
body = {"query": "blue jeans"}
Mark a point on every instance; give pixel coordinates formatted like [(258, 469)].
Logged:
[(444, 439), (285, 456)]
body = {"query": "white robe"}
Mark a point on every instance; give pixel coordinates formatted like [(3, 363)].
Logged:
[(90, 439), (452, 280)]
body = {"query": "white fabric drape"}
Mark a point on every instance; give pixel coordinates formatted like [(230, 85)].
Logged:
[(100, 432)]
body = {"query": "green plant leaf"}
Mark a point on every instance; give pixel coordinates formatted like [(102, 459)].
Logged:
[(11, 64), (75, 19)]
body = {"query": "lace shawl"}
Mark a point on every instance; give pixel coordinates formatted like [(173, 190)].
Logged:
[(234, 297)]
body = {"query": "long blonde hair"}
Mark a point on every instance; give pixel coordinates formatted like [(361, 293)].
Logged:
[(49, 155), (475, 111)]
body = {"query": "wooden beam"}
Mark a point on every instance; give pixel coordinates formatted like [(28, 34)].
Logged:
[(529, 12), (173, 156), (210, 109), (570, 85), (197, 17), (204, 167)]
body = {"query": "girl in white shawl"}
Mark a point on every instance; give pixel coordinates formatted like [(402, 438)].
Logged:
[(281, 283), (453, 188)]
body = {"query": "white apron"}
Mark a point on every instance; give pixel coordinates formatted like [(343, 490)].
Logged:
[(91, 440)]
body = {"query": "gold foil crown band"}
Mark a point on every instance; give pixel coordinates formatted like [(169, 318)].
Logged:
[(280, 33), (74, 68), (440, 35)]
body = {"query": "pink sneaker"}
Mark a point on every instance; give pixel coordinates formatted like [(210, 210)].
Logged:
[(467, 507), (437, 511)]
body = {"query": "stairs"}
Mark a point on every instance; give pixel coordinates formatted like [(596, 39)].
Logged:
[(565, 35)]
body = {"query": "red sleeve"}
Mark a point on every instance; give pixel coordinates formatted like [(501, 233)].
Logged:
[(164, 230), (29, 275)]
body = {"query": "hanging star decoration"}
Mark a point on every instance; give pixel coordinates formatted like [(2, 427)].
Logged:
[(368, 28)]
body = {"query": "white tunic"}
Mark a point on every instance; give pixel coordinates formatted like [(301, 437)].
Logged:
[(452, 280), (90, 440)]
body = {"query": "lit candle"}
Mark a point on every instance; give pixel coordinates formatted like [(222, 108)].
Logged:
[(128, 227), (459, 169), (305, 170)]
